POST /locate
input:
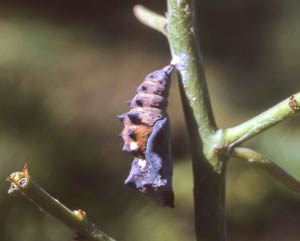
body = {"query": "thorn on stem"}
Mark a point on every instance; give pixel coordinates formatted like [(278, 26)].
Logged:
[(221, 149), (25, 170), (80, 214), (293, 104)]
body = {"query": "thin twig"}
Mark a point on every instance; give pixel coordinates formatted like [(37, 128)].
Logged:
[(150, 18), (257, 160), (278, 113), (76, 220)]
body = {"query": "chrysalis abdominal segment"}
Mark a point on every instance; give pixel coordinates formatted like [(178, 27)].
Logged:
[(146, 135)]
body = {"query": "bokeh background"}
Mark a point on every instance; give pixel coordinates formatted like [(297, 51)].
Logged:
[(67, 69)]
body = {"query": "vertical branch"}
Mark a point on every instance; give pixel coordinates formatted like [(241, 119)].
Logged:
[(208, 169), (184, 49)]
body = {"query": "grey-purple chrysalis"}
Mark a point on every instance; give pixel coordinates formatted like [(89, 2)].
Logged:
[(146, 135)]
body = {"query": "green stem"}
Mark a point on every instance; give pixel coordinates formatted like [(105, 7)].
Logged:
[(259, 161), (150, 18), (208, 169), (183, 45), (76, 220), (278, 113)]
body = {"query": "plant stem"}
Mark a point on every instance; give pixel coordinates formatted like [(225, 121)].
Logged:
[(278, 113), (76, 220), (208, 170), (150, 18), (183, 45), (259, 161), (209, 186)]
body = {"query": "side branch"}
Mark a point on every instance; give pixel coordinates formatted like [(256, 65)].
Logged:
[(259, 161), (278, 113), (150, 18), (76, 220)]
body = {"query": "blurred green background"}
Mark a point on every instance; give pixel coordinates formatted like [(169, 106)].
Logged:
[(66, 71)]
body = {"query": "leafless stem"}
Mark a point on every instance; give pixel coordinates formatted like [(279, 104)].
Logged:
[(76, 220)]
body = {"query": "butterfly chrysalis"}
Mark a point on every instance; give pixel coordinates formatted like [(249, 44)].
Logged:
[(146, 136)]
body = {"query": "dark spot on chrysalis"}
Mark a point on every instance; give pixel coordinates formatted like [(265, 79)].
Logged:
[(161, 82), (131, 134), (141, 88), (139, 101), (134, 117)]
